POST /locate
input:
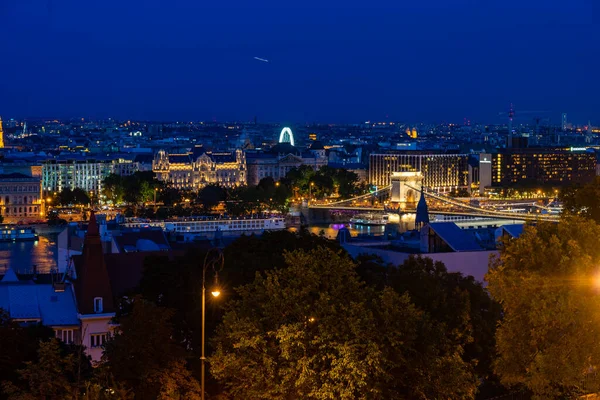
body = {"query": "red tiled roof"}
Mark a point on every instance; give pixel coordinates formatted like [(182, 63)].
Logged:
[(92, 276)]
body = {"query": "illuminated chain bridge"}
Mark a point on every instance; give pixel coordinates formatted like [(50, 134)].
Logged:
[(439, 204)]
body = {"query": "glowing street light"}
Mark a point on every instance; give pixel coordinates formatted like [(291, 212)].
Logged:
[(214, 261)]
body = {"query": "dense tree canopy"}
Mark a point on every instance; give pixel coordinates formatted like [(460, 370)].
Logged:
[(267, 195), (313, 330), (210, 196), (18, 345), (132, 189), (70, 197), (144, 355), (582, 200), (547, 284), (324, 181), (458, 302)]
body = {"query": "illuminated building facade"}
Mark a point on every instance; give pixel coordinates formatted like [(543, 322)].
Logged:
[(20, 197), (84, 173), (442, 172), (196, 169), (534, 167)]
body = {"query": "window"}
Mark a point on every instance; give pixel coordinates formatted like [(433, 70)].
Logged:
[(97, 339), (97, 304), (65, 335)]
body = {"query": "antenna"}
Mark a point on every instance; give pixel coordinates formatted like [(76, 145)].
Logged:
[(511, 115)]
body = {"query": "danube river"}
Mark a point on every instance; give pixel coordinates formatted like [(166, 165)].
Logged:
[(24, 255), (43, 253)]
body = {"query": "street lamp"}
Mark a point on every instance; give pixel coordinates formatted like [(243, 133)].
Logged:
[(214, 259), (310, 191)]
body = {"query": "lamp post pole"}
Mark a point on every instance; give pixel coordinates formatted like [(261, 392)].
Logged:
[(218, 259), (203, 319)]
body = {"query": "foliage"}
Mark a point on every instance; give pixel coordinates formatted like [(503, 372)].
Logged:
[(283, 338), (323, 182), (70, 197), (460, 303), (143, 350), (113, 188), (132, 189), (53, 376), (177, 383), (251, 254), (546, 281), (19, 345), (210, 196), (177, 285), (267, 195), (582, 200)]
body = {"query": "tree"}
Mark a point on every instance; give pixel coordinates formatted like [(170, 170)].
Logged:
[(52, 377), (460, 303), (19, 345), (283, 338), (143, 349), (582, 200), (210, 196), (113, 188), (66, 197), (80, 196), (251, 254), (177, 383), (546, 281)]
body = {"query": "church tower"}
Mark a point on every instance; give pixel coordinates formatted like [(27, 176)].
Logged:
[(1, 135)]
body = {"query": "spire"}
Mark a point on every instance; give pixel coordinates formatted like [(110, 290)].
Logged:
[(422, 216), (93, 281), (93, 225)]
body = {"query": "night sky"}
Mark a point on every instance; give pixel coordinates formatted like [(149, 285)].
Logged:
[(348, 61)]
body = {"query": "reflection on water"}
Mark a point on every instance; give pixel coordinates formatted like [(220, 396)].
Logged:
[(44, 253), (21, 256), (331, 230)]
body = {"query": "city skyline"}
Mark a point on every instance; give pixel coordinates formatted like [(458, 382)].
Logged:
[(341, 63)]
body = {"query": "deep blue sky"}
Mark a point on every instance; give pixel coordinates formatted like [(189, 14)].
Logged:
[(348, 61)]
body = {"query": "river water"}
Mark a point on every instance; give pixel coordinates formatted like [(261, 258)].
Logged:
[(22, 256)]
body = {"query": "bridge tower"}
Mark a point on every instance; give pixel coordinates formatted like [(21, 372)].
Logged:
[(406, 189)]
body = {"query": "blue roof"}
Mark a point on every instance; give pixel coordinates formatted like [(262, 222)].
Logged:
[(514, 230), (26, 300), (456, 238)]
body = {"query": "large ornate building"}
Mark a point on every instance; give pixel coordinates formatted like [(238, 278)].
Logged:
[(20, 197), (198, 168)]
